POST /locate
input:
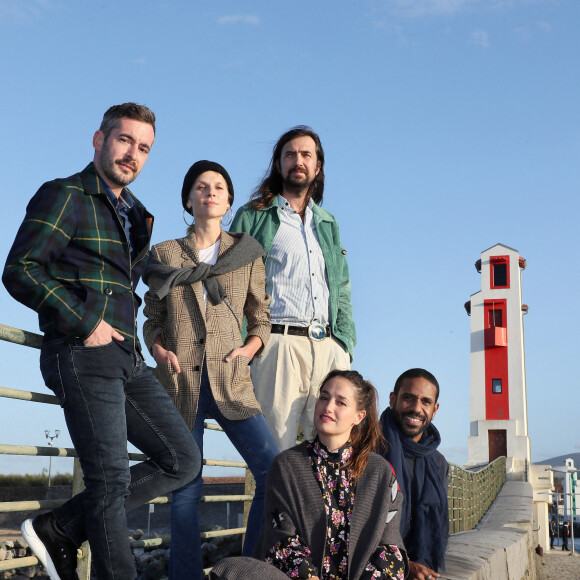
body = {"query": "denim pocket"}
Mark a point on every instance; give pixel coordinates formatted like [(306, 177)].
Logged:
[(81, 347), (50, 369)]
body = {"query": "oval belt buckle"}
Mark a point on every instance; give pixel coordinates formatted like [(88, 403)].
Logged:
[(316, 331)]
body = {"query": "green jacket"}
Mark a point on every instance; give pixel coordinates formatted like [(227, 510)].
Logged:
[(263, 225)]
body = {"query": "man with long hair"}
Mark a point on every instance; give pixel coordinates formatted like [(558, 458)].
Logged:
[(307, 276), (422, 471), (76, 261)]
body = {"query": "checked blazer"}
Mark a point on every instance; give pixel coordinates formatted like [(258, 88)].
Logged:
[(195, 331), (71, 261)]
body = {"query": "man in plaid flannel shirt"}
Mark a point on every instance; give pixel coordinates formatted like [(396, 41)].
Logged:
[(76, 260)]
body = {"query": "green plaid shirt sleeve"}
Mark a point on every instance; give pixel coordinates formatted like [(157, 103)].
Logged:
[(70, 261), (47, 230)]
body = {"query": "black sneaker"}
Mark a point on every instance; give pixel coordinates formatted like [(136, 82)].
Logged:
[(52, 547)]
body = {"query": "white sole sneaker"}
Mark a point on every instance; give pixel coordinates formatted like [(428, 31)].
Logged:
[(38, 548)]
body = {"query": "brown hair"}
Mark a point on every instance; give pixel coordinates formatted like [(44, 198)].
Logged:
[(133, 111), (271, 185), (367, 436)]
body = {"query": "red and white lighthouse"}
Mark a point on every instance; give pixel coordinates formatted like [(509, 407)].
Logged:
[(499, 417)]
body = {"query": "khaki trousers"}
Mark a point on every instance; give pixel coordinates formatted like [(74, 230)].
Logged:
[(287, 377)]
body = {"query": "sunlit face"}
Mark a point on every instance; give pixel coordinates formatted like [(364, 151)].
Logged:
[(120, 157), (298, 164), (336, 413), (414, 407), (208, 197)]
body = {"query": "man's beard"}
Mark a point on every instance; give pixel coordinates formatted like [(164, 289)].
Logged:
[(113, 173), (398, 418), (297, 181)]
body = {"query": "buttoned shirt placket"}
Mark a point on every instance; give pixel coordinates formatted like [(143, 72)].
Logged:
[(296, 271)]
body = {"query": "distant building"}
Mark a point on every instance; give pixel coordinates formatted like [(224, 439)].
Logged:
[(498, 417), (567, 496)]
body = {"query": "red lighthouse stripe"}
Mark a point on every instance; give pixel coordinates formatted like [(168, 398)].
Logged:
[(496, 360)]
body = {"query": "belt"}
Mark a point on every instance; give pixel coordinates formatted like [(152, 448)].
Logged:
[(314, 331)]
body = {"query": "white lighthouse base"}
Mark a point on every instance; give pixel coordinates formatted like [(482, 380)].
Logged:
[(516, 448)]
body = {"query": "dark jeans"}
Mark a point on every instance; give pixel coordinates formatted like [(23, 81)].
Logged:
[(254, 442), (109, 397)]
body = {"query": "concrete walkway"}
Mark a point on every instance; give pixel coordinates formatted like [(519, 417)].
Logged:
[(556, 564)]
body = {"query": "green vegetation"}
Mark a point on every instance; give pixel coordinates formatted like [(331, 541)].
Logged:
[(35, 480)]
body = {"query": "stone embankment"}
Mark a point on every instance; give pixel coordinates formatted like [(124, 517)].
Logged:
[(500, 548)]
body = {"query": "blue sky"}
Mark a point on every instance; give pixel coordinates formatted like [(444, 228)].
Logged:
[(448, 126)]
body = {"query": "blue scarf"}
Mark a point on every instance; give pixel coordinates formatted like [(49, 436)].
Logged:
[(430, 513)]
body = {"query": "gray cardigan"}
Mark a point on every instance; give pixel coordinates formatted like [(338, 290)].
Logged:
[(294, 505)]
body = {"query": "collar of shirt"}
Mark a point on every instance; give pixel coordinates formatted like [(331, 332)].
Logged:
[(122, 205), (124, 202), (284, 205)]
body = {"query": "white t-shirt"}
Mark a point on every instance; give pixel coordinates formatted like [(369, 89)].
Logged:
[(208, 256)]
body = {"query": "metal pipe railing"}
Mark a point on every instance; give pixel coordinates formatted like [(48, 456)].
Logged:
[(32, 340)]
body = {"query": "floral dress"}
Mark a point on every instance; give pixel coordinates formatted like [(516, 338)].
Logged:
[(338, 493)]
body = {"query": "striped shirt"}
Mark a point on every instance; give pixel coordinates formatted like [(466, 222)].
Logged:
[(122, 205), (296, 272)]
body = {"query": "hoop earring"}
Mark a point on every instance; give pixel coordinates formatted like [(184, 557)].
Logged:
[(229, 219), (192, 219)]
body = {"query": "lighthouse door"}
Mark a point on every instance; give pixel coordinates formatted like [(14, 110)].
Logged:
[(497, 443)]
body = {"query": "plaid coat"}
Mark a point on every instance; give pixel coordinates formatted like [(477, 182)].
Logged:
[(194, 332), (71, 262)]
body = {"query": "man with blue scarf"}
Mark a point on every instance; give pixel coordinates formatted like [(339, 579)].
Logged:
[(422, 471)]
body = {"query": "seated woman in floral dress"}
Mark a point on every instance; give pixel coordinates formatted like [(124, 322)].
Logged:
[(332, 505)]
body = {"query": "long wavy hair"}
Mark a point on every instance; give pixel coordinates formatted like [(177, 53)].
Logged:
[(271, 185), (367, 436)]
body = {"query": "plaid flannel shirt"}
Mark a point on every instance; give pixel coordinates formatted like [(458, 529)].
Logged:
[(71, 260)]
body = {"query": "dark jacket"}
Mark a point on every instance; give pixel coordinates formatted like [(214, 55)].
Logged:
[(423, 475), (71, 262)]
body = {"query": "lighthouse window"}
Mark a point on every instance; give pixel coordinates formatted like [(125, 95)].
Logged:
[(495, 318), (500, 275), (496, 386)]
